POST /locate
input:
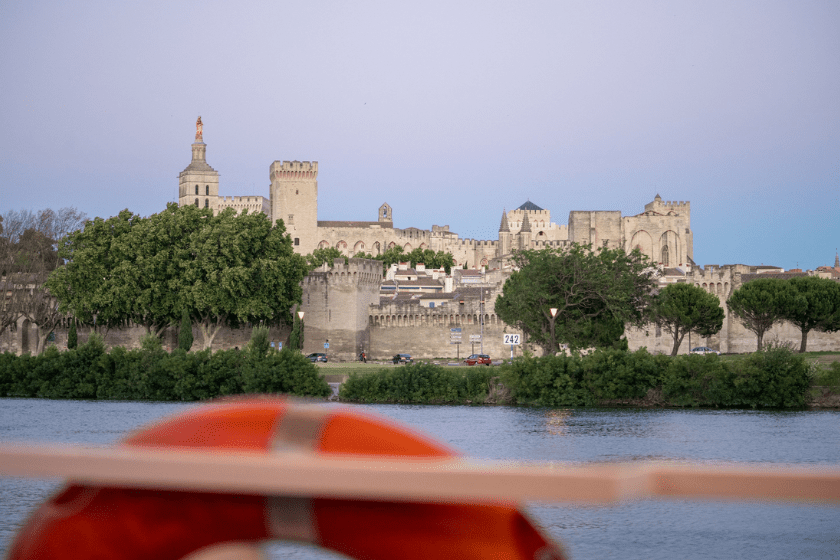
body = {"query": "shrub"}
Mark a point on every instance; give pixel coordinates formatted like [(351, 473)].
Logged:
[(546, 381), (695, 380)]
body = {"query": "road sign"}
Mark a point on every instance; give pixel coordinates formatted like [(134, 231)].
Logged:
[(326, 345), (475, 337), (511, 339), (455, 330), (455, 342)]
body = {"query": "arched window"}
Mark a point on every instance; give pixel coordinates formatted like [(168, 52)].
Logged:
[(196, 203), (665, 260), (196, 189), (207, 203), (207, 190)]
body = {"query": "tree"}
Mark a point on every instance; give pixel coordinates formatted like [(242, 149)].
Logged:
[(323, 255), (814, 305), (397, 254), (595, 293), (72, 336), (27, 255), (241, 269), (760, 304), (681, 308), (185, 336), (225, 270), (95, 284)]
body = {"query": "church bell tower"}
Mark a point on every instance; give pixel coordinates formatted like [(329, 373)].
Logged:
[(198, 184)]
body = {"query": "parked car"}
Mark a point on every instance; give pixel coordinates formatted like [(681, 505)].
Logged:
[(317, 357), (704, 350), (477, 359), (402, 359)]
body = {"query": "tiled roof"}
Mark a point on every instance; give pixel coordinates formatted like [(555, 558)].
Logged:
[(529, 206)]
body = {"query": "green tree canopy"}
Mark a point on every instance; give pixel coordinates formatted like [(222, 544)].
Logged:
[(323, 255), (242, 269), (760, 304), (397, 254), (814, 305), (595, 293), (680, 308), (222, 270)]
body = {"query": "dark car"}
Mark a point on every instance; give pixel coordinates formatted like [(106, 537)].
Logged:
[(402, 359), (317, 357), (478, 359)]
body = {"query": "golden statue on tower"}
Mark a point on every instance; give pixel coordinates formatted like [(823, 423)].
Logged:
[(198, 129)]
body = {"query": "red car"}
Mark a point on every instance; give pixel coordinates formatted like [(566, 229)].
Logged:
[(478, 359)]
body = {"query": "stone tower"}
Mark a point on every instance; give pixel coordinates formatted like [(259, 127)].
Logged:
[(198, 184), (525, 233), (504, 236), (294, 199)]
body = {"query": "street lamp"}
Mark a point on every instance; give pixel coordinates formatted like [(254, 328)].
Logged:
[(551, 319), (300, 331)]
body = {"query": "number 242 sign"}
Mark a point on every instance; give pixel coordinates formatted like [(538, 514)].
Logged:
[(511, 339)]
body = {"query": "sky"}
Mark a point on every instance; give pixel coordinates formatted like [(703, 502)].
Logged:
[(451, 112)]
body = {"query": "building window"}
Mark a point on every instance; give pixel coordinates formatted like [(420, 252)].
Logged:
[(206, 203), (431, 304), (196, 189), (665, 260), (196, 203), (297, 240), (207, 190)]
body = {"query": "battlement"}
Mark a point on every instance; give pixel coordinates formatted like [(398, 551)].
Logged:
[(658, 205), (293, 170), (356, 271)]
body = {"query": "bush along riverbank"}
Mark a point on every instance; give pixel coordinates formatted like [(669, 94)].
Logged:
[(775, 378), (150, 373)]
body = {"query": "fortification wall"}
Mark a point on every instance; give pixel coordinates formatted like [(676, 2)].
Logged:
[(335, 303), (427, 333), (240, 203)]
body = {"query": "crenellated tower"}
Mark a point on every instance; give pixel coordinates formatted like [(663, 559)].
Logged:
[(294, 199), (198, 184)]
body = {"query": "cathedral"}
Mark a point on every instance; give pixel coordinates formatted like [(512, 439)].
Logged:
[(662, 231)]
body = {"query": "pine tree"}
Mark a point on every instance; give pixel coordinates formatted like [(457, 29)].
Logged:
[(185, 336), (72, 336)]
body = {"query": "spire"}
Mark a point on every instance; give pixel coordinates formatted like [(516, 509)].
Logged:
[(504, 227), (836, 259), (526, 225)]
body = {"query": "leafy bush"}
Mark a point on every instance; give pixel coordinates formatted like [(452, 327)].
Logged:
[(698, 380), (419, 383), (546, 381), (775, 378)]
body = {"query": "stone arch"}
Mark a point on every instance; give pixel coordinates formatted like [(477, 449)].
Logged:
[(720, 289), (377, 249), (358, 247), (424, 246), (341, 245), (323, 244), (670, 241), (484, 261), (665, 259), (642, 241), (407, 247), (391, 245)]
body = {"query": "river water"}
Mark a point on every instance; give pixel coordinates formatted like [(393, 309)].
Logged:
[(647, 529)]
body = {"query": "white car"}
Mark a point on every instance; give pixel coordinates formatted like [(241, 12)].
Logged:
[(704, 350)]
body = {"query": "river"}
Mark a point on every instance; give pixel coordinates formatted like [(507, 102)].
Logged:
[(647, 529)]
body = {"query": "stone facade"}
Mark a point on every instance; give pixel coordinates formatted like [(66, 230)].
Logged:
[(662, 231)]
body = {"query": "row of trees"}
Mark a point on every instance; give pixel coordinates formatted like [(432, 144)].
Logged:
[(393, 255), (809, 302), (28, 254), (584, 298), (219, 271)]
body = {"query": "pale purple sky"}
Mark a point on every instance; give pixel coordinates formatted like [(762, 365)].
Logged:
[(448, 111)]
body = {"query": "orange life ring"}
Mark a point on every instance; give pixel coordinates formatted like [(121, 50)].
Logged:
[(86, 522)]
